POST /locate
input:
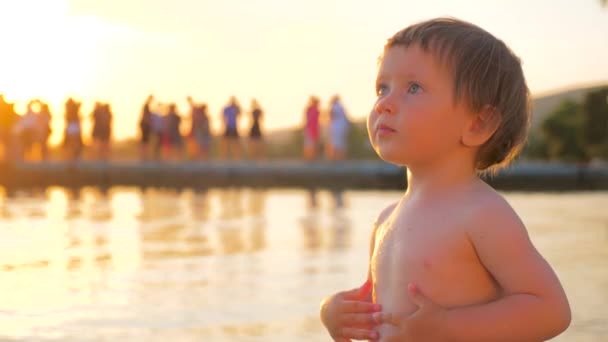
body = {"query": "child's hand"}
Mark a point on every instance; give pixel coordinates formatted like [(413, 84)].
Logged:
[(349, 315), (423, 325)]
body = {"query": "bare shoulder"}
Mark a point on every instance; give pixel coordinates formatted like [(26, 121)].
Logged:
[(384, 214), (490, 215)]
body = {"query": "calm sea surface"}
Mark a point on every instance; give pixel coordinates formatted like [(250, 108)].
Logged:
[(234, 265)]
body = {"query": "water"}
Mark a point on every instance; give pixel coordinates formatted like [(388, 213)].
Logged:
[(234, 265)]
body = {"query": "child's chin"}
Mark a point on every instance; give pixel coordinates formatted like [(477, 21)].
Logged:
[(391, 158)]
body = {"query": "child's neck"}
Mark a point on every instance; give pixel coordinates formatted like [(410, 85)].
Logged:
[(440, 178)]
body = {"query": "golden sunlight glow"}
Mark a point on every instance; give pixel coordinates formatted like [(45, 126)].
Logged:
[(120, 51), (58, 251), (46, 53), (33, 36)]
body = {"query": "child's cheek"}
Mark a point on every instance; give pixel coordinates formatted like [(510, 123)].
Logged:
[(371, 119)]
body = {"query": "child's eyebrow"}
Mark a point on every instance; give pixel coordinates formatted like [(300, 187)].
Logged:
[(380, 79), (410, 75), (401, 78)]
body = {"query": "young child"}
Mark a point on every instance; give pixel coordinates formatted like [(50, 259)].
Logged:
[(451, 260)]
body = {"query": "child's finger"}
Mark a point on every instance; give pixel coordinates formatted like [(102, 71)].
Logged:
[(365, 289), (359, 334), (359, 292), (417, 296), (351, 294), (350, 306), (357, 320), (387, 318)]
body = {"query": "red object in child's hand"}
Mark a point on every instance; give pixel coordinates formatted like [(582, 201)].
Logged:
[(365, 289)]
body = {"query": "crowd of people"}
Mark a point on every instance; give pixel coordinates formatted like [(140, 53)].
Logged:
[(336, 132), (19, 134), (160, 131), (161, 136), (23, 136)]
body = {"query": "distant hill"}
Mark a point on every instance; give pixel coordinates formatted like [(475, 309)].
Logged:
[(544, 104)]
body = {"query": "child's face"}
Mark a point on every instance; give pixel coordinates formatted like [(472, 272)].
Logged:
[(414, 119)]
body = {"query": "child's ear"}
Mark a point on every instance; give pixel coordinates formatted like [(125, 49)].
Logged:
[(481, 127)]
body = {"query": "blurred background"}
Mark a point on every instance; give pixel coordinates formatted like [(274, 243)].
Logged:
[(109, 87)]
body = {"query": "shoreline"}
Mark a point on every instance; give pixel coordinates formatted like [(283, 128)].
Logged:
[(281, 174)]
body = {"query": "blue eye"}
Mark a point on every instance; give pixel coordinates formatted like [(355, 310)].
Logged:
[(413, 88), (381, 89)]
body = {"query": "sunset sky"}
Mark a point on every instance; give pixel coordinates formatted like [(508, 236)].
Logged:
[(277, 51)]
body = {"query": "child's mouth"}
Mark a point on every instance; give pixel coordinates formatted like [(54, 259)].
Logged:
[(384, 130)]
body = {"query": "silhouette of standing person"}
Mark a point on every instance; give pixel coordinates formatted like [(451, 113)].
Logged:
[(256, 143), (338, 130), (173, 134), (231, 143), (145, 129), (159, 130), (4, 126), (102, 129), (8, 119), (25, 131), (200, 131), (73, 132), (44, 130), (311, 128)]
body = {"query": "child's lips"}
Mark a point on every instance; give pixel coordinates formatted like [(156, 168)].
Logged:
[(384, 130)]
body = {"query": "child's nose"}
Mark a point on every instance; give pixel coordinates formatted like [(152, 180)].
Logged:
[(385, 105)]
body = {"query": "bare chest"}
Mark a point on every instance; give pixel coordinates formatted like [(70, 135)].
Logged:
[(422, 251)]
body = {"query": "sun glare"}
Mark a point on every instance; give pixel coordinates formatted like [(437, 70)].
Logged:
[(46, 53)]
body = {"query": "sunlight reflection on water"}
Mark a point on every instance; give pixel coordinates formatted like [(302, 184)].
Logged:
[(234, 264)]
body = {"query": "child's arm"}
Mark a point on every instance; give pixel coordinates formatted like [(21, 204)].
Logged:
[(534, 306)]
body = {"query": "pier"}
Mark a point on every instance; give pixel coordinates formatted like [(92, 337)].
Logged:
[(346, 174)]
